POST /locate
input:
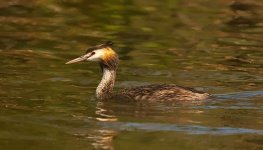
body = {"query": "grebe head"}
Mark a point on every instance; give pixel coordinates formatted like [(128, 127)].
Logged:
[(102, 53), (108, 61)]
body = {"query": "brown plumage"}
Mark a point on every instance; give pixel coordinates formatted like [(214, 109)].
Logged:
[(108, 60), (165, 92)]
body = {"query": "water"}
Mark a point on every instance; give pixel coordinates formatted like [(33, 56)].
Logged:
[(45, 104)]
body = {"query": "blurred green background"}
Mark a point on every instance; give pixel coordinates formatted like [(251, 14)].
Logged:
[(214, 45)]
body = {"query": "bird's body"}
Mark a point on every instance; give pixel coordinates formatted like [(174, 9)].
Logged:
[(163, 92), (108, 61)]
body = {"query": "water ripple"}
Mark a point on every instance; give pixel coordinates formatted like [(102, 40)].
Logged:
[(190, 129), (239, 95)]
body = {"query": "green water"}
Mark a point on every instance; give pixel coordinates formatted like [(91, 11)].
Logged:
[(45, 104)]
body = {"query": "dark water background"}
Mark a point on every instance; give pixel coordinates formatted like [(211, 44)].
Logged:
[(45, 104)]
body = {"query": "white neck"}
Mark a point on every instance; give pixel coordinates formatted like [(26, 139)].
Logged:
[(105, 88)]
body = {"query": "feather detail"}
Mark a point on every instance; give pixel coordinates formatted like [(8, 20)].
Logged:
[(110, 59)]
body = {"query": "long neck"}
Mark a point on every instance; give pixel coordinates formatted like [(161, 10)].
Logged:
[(105, 88)]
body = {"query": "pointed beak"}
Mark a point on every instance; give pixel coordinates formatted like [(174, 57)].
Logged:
[(79, 59)]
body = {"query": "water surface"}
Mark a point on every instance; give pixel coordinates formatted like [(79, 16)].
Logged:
[(45, 104)]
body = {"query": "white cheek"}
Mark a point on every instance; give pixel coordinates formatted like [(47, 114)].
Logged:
[(93, 58), (97, 56)]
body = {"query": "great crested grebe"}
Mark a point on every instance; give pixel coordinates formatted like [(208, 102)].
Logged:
[(108, 61)]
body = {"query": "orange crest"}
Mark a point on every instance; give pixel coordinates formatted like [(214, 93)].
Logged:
[(110, 58)]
